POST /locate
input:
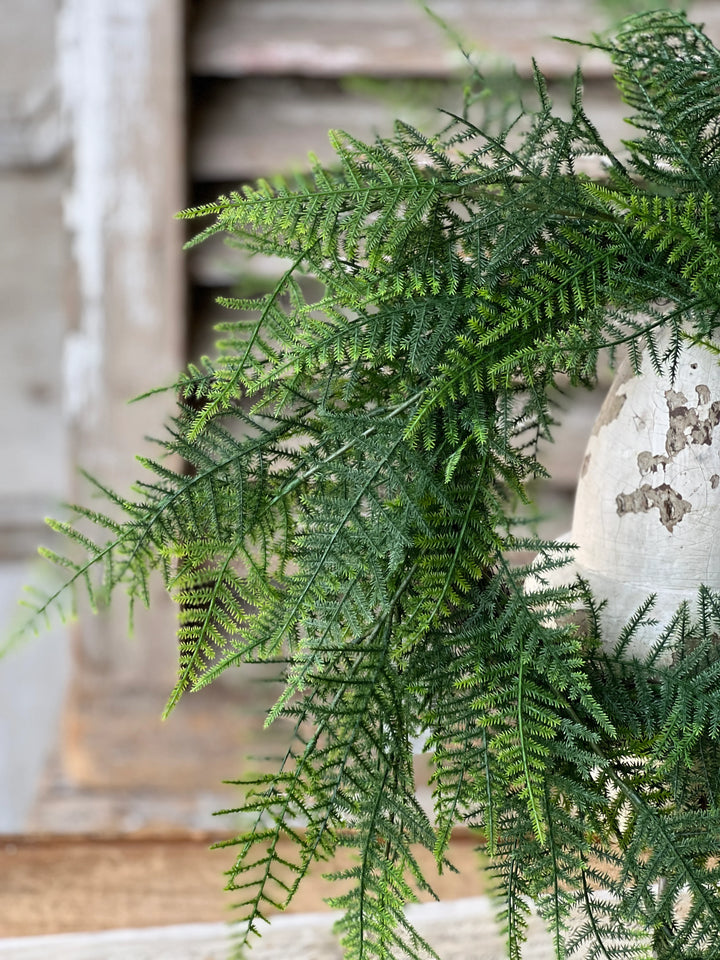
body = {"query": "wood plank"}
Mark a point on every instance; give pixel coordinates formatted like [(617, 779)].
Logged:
[(122, 768), (32, 135), (33, 437), (455, 929), (250, 128), (215, 264), (59, 884), (33, 683), (122, 70), (385, 37), (244, 134), (395, 38)]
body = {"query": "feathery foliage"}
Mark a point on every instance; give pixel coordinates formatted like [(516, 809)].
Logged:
[(354, 464)]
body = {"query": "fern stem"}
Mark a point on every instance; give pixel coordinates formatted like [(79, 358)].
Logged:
[(229, 384), (532, 800), (590, 913)]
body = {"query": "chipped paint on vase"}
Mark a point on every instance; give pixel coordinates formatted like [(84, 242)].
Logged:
[(647, 507)]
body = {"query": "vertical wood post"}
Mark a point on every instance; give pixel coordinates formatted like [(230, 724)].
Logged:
[(121, 75)]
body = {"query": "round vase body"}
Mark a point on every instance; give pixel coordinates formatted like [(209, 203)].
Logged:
[(647, 507)]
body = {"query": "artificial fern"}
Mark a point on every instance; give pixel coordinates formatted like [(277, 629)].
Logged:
[(353, 468)]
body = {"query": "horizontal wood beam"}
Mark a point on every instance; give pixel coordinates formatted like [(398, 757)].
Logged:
[(331, 38), (385, 37)]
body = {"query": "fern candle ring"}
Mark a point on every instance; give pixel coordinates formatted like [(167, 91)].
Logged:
[(356, 461)]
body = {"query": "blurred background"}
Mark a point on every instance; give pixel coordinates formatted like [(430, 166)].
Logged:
[(114, 114)]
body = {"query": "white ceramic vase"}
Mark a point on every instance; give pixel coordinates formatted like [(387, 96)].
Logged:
[(647, 507)]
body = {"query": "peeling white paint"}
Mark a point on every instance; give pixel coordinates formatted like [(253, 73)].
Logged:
[(103, 56), (133, 223), (131, 217), (647, 506), (82, 42), (82, 364)]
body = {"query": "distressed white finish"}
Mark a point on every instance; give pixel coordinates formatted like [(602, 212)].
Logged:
[(121, 77), (647, 507), (104, 70), (82, 48)]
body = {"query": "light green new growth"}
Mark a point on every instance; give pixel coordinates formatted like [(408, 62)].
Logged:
[(356, 523)]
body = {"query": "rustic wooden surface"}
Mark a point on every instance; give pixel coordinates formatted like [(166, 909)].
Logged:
[(122, 85), (60, 884), (126, 274), (268, 83), (157, 775), (457, 930), (251, 127), (392, 37)]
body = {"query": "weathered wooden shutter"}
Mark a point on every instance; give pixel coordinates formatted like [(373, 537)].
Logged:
[(265, 80)]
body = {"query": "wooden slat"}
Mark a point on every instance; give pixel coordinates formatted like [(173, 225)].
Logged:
[(215, 264), (33, 438), (385, 37), (394, 37), (22, 525), (251, 128), (126, 320), (157, 775), (248, 128), (60, 884), (455, 929)]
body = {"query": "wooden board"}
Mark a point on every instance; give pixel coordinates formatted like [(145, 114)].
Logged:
[(126, 316), (33, 441), (122, 768), (58, 885), (456, 929), (383, 37), (395, 38), (250, 128)]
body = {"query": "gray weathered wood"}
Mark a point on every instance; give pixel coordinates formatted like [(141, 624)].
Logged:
[(122, 82), (457, 929), (33, 680), (383, 37), (33, 443), (394, 37), (33, 448), (31, 134), (248, 128)]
